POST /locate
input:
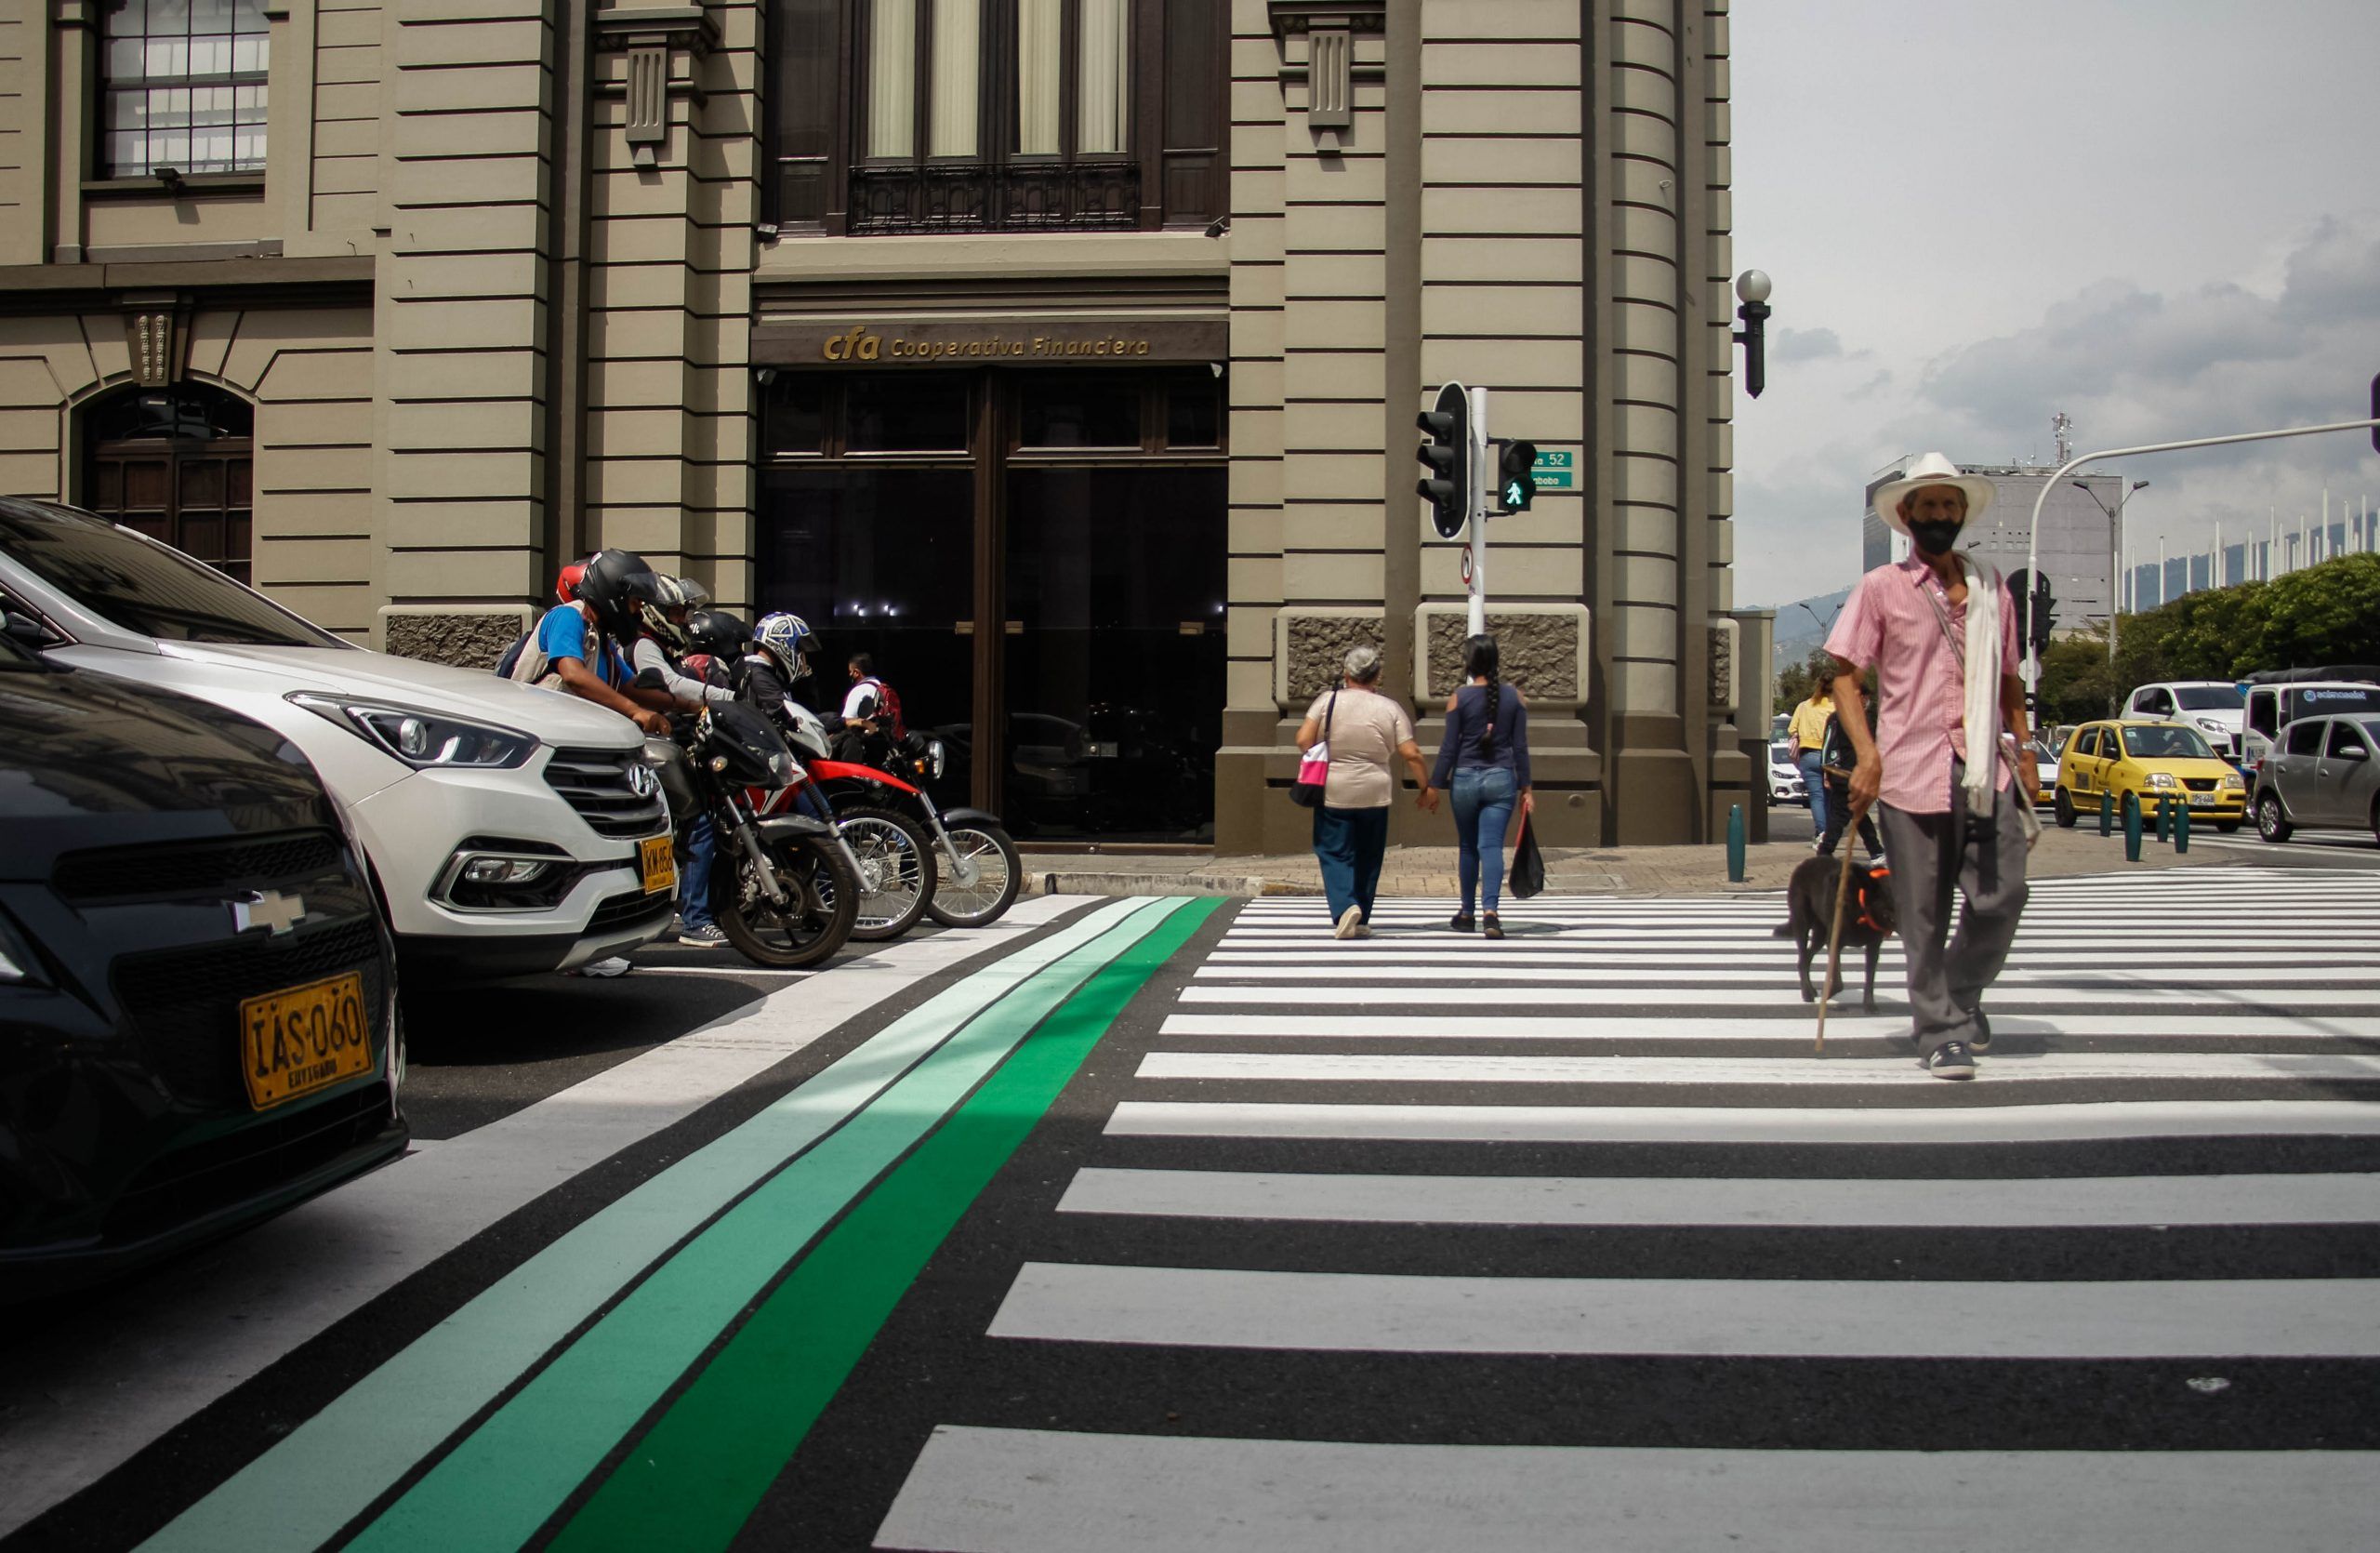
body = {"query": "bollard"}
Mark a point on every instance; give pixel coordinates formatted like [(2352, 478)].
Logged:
[(2165, 822), (2182, 827), (1735, 844), (2131, 829), (2107, 811)]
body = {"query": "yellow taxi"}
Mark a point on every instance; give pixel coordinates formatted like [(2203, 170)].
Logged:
[(2145, 764)]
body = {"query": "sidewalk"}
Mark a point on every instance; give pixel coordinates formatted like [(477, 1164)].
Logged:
[(1631, 870)]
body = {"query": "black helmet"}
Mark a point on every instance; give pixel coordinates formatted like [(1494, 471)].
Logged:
[(724, 636), (615, 586)]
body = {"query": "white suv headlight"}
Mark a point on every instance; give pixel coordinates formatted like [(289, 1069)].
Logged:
[(424, 741)]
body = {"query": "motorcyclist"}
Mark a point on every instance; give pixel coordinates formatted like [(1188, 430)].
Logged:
[(583, 642), (662, 640)]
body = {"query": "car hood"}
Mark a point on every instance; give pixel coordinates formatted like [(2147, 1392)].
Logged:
[(554, 716), (94, 761)]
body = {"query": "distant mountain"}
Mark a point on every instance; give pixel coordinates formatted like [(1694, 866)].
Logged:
[(1797, 633)]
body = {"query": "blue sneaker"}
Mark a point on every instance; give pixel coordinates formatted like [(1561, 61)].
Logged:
[(1951, 1060)]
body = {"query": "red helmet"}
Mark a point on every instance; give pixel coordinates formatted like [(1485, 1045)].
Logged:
[(566, 582)]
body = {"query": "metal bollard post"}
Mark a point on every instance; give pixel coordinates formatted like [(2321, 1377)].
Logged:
[(1735, 844), (2165, 820), (2132, 832), (2107, 813), (2182, 827)]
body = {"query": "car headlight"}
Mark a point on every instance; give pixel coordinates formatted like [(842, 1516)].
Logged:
[(2231, 780), (17, 962), (424, 741), (2162, 780)]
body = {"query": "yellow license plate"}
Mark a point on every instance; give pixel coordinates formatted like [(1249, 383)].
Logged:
[(660, 868), (297, 1042)]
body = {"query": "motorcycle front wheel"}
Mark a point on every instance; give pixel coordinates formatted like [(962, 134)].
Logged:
[(999, 873), (896, 872), (822, 903)]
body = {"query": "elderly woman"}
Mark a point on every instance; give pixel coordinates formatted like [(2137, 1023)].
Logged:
[(1364, 728)]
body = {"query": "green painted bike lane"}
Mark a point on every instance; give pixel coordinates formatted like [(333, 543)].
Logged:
[(298, 1494), (497, 1487)]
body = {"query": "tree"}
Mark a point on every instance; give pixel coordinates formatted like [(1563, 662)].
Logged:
[(1796, 680)]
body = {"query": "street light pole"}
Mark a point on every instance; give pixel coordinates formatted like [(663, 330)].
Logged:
[(2115, 549)]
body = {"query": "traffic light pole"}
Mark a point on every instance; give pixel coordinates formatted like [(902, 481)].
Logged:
[(2034, 539), (1478, 528)]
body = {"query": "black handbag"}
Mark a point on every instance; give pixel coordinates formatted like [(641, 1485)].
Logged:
[(1527, 876)]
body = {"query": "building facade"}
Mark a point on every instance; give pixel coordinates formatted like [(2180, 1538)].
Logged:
[(2076, 546), (1062, 354)]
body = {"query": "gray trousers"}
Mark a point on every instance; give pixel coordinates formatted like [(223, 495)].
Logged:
[(1984, 857)]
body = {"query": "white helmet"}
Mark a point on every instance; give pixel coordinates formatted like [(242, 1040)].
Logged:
[(787, 638)]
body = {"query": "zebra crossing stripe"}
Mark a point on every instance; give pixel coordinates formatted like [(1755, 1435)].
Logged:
[(2263, 978), (2295, 1318), (2063, 1203), (1031, 1490), (2064, 1067), (2279, 1000), (2064, 1122), (333, 1467), (1791, 1027)]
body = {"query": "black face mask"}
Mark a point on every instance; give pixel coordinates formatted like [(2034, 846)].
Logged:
[(1935, 537)]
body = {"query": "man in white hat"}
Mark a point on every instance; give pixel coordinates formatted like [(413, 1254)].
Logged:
[(1940, 630)]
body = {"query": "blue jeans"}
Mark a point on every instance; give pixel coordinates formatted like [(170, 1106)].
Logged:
[(1350, 844), (1484, 796), (1815, 785), (694, 891)]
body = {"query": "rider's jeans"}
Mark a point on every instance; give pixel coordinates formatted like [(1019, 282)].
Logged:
[(694, 891)]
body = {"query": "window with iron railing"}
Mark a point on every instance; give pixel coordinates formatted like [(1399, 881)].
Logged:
[(182, 87), (1003, 115)]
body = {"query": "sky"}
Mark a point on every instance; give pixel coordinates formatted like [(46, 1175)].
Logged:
[(2161, 217)]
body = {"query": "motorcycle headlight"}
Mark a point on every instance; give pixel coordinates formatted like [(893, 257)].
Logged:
[(424, 741), (781, 769), (2162, 780)]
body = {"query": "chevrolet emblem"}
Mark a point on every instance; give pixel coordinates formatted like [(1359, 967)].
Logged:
[(268, 908)]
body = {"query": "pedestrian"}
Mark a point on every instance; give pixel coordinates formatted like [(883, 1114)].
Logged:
[(1804, 738), (1836, 757), (1364, 729), (1483, 763), (1957, 804)]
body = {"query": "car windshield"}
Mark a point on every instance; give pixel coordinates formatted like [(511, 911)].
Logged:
[(2209, 698), (142, 586), (1780, 754), (2168, 744)]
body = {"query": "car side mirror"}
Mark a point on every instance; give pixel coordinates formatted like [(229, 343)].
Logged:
[(2356, 754)]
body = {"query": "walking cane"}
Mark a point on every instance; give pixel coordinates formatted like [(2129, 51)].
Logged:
[(1834, 933)]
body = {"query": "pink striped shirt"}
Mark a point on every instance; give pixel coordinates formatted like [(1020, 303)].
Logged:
[(1888, 623)]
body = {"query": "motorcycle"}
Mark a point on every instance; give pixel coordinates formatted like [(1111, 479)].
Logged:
[(796, 886), (979, 871)]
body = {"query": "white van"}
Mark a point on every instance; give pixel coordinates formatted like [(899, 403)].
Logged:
[(2213, 707), (2273, 706), (510, 830)]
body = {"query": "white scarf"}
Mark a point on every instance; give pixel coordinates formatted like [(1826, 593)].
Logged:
[(1981, 709)]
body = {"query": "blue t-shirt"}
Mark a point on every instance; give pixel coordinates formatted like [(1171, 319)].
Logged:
[(566, 632)]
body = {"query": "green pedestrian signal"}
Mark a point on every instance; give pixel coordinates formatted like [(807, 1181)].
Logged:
[(1515, 467)]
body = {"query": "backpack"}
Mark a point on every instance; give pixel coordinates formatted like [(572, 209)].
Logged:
[(528, 662), (888, 708)]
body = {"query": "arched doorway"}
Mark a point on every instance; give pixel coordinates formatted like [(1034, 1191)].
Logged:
[(179, 464)]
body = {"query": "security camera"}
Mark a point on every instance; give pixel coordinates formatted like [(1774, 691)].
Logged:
[(764, 375), (1218, 226), (767, 230), (170, 177)]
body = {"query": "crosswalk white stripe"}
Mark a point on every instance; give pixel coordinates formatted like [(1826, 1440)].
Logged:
[(2064, 1202), (2065, 1122), (1289, 1024), (2300, 1317), (1032, 1491), (2230, 978), (1781, 951), (2060, 1066), (2048, 1000)]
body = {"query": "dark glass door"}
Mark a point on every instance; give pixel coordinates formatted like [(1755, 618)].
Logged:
[(1114, 661)]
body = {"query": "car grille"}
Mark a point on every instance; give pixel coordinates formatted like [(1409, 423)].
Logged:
[(186, 1183), (595, 782), (622, 913), (178, 871), (184, 1004), (2199, 784)]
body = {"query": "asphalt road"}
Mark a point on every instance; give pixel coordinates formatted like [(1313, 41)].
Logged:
[(1179, 1224)]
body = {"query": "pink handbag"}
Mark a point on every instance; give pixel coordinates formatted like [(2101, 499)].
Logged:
[(1314, 770)]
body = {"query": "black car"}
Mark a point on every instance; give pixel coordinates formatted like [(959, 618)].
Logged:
[(198, 1023)]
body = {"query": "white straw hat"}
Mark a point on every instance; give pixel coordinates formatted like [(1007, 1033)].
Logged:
[(1930, 469)]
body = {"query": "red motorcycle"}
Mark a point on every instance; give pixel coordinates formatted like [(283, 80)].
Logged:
[(958, 866)]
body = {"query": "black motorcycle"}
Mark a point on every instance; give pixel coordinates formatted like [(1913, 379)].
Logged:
[(796, 893)]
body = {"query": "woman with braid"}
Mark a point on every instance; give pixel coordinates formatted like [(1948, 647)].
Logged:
[(1483, 763)]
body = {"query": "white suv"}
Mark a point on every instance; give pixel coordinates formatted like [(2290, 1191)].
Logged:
[(2213, 707), (510, 830)]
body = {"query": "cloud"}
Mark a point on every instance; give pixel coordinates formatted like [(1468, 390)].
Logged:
[(1799, 345), (2131, 365)]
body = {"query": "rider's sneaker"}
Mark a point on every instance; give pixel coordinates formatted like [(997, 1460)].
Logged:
[(617, 966), (710, 936)]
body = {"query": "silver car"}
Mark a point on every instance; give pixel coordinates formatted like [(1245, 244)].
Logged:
[(2323, 774)]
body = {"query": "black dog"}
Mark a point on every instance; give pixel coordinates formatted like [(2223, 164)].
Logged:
[(1809, 913)]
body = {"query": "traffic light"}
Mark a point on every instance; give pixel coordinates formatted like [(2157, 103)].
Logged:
[(1446, 456), (1515, 477), (2045, 615)]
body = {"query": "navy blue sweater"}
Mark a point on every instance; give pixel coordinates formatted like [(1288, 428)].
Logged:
[(1469, 720)]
